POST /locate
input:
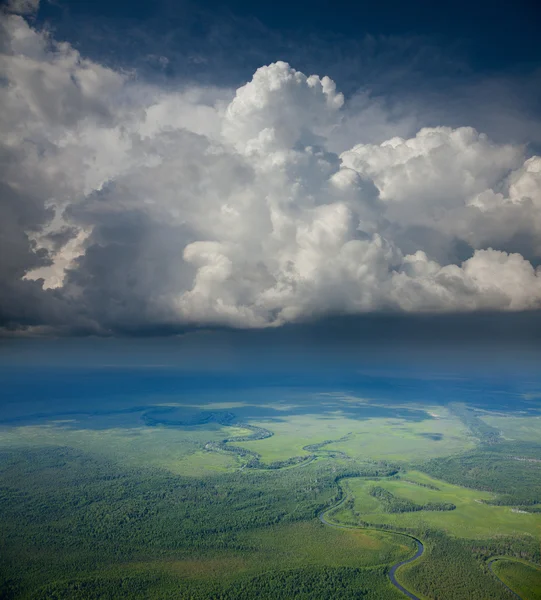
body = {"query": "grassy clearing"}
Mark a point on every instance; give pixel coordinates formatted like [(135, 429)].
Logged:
[(523, 428), (371, 430), (523, 578), (434, 432), (439, 434), (471, 518), (181, 449)]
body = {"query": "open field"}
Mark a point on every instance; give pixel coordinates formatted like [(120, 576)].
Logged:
[(526, 428), (450, 567), (472, 518), (433, 431), (523, 578)]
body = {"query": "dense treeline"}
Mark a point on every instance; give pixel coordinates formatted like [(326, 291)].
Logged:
[(65, 512), (455, 569), (324, 583), (331, 453), (517, 482), (279, 464), (112, 588), (530, 509), (31, 495), (487, 434), (428, 486), (394, 504), (306, 584), (522, 451)]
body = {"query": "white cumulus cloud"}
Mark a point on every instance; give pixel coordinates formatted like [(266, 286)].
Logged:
[(127, 206)]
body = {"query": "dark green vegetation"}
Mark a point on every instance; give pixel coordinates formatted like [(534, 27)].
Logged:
[(68, 518), (487, 434), (456, 569), (211, 504), (323, 582), (509, 472), (392, 504)]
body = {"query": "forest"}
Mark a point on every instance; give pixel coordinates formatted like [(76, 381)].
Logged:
[(392, 504), (215, 506)]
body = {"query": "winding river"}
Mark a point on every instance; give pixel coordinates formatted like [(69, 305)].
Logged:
[(491, 562), (394, 568), (392, 571), (418, 553), (165, 416)]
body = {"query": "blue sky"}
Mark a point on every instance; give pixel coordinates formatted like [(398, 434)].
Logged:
[(482, 35)]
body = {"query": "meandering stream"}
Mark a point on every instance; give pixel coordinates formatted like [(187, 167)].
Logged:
[(165, 416), (394, 568)]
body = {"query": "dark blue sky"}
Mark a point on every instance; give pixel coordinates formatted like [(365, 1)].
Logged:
[(459, 37)]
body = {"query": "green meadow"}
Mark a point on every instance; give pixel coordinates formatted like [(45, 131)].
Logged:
[(524, 579), (472, 517), (521, 427), (398, 439)]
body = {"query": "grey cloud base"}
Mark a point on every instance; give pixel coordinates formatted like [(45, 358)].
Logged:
[(126, 206)]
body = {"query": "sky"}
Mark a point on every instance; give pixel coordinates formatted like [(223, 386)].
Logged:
[(174, 167)]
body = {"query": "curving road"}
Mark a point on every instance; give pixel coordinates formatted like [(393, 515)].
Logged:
[(394, 568)]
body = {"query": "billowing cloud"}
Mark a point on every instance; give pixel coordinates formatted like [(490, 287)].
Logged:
[(126, 206)]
